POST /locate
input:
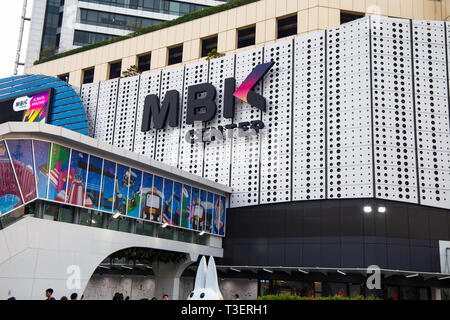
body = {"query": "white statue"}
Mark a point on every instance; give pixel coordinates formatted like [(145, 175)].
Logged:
[(206, 283)]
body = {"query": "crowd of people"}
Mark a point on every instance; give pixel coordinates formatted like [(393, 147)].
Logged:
[(117, 296)]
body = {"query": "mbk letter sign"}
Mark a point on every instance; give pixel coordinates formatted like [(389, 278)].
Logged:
[(201, 105)]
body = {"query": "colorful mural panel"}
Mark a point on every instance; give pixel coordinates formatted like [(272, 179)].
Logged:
[(21, 152)]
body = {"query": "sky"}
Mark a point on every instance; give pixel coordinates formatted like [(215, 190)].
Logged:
[(10, 14)]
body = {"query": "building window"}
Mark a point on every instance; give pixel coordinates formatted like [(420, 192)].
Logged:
[(88, 75), (82, 38), (246, 37), (114, 20), (350, 16), (144, 62), (115, 70), (178, 8), (175, 55), (60, 19), (64, 77), (209, 45), (287, 26)]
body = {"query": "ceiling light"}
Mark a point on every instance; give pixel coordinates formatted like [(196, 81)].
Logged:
[(202, 233), (267, 270), (116, 215), (444, 278), (234, 269), (412, 275), (381, 209), (165, 225), (367, 209), (341, 272)]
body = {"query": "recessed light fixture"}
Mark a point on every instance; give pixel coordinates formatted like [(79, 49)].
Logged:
[(367, 209), (381, 209)]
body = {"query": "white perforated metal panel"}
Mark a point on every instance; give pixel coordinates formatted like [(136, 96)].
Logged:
[(106, 111), (358, 111), (349, 146), (393, 111), (309, 123), (191, 154), (168, 140), (218, 153), (89, 96), (126, 112), (276, 140), (246, 150), (144, 142), (432, 113)]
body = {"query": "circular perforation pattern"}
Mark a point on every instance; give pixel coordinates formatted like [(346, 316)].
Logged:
[(394, 142), (218, 153), (246, 151), (106, 110), (89, 96), (168, 139), (126, 112), (431, 106), (348, 119), (276, 140), (144, 142)]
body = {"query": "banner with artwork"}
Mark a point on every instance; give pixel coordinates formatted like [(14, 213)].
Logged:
[(219, 215), (21, 152), (134, 192), (176, 201), (121, 182), (41, 164), (185, 207), (76, 189), (59, 172), (209, 207), (195, 209), (10, 197), (168, 201), (33, 107), (146, 196), (157, 199), (108, 186), (93, 185)]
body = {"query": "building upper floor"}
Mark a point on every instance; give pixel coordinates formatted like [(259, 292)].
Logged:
[(61, 25), (249, 24)]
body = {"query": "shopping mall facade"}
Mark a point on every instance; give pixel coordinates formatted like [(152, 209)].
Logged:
[(315, 151)]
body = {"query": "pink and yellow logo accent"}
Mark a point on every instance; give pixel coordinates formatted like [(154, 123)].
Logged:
[(256, 75)]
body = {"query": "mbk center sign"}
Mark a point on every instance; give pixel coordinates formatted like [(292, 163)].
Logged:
[(201, 107)]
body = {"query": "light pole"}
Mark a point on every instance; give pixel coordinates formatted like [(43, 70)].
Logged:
[(19, 46)]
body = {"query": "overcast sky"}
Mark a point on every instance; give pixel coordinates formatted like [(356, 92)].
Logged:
[(10, 13)]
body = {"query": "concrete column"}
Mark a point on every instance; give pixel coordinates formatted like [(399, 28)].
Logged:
[(167, 277)]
